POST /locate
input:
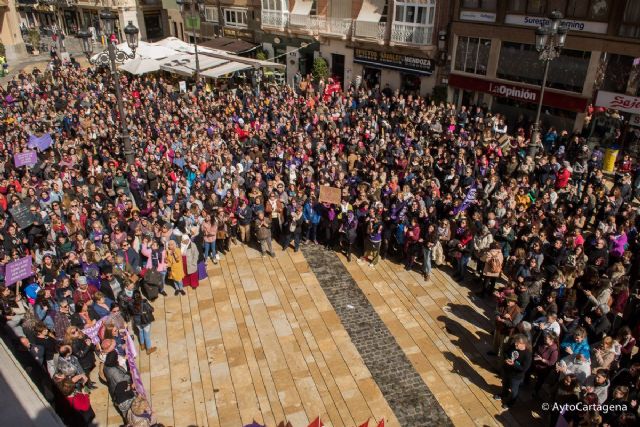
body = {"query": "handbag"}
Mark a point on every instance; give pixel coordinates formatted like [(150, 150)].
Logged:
[(202, 270), (146, 317), (80, 402), (153, 277)]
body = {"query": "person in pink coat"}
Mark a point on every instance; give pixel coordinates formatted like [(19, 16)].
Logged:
[(156, 257)]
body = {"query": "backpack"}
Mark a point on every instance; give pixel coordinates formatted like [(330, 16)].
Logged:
[(494, 265)]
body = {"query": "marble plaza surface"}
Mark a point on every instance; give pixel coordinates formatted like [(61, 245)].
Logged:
[(309, 334)]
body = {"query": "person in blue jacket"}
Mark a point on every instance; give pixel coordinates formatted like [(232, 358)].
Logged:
[(311, 216), (576, 343)]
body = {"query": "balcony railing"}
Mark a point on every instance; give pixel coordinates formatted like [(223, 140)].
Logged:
[(275, 19), (411, 34), (307, 22), (369, 30), (334, 26)]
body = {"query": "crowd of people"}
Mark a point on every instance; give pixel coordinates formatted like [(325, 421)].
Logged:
[(547, 236)]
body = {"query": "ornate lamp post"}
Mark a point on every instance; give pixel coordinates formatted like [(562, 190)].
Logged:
[(550, 39), (109, 58), (192, 9)]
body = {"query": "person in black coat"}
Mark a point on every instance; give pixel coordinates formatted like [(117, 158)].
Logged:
[(517, 362)]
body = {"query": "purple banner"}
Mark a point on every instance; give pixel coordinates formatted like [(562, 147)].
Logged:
[(27, 158), (40, 142), (18, 270), (130, 349), (468, 199)]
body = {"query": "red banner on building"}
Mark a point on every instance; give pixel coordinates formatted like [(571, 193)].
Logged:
[(520, 92)]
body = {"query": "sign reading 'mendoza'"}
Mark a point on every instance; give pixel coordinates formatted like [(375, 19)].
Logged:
[(396, 61)]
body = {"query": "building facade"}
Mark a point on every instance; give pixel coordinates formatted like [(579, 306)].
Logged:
[(378, 42), (10, 34), (494, 62)]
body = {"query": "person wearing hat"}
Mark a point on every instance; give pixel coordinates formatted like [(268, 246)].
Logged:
[(507, 317)]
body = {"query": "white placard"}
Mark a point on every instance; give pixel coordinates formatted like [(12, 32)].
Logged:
[(618, 101), (572, 24), (634, 120), (478, 16), (183, 86)]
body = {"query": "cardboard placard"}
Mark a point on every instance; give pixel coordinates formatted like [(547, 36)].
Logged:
[(330, 195), (22, 216), (18, 270), (27, 158)]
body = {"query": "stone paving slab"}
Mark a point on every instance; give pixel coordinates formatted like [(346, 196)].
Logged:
[(401, 385)]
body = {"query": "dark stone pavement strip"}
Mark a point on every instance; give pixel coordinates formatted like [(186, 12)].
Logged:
[(408, 396)]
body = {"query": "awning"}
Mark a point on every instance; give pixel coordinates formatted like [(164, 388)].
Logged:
[(303, 7), (371, 11), (229, 44), (4, 3), (229, 67), (185, 64)]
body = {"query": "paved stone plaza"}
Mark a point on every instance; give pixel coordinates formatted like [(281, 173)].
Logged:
[(307, 334)]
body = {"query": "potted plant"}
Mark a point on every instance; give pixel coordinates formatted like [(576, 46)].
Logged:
[(320, 68), (34, 38)]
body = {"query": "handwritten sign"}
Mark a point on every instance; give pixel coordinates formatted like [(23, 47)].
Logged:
[(330, 195), (22, 216), (18, 270), (27, 158), (41, 142)]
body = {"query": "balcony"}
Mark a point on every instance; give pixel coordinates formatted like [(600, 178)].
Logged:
[(334, 26), (370, 30), (307, 23), (275, 19), (411, 34)]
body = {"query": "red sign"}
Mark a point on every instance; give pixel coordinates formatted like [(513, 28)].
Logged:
[(520, 93)]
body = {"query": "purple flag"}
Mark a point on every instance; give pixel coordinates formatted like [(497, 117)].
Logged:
[(27, 158), (468, 199), (42, 142), (18, 270), (254, 424)]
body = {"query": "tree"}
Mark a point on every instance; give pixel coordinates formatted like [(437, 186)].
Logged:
[(34, 38), (320, 68), (261, 55)]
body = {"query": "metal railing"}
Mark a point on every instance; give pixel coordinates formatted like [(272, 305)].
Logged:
[(274, 18), (369, 30), (308, 22), (411, 34), (335, 26)]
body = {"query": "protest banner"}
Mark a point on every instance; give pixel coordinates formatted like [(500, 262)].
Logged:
[(41, 142), (330, 195), (22, 216), (27, 158), (18, 270)]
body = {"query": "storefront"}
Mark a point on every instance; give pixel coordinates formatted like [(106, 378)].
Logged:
[(616, 121), (410, 74), (296, 53), (519, 102)]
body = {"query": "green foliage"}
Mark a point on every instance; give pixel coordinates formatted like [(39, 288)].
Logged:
[(34, 38), (320, 68), (2, 49), (261, 55), (439, 94)]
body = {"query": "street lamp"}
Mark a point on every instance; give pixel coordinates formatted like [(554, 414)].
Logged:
[(550, 39), (109, 58), (192, 9)]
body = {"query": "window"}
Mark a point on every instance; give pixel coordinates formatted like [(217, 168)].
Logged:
[(631, 20), (211, 14), (275, 5), (414, 14), (472, 55), (235, 18), (520, 63), (479, 4), (618, 72), (595, 10), (413, 22), (385, 12)]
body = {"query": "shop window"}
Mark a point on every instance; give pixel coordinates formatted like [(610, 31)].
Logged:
[(410, 83), (472, 55), (489, 5), (520, 63), (631, 20), (617, 73), (536, 7), (518, 6), (235, 18)]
